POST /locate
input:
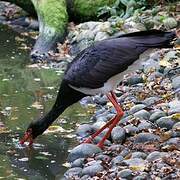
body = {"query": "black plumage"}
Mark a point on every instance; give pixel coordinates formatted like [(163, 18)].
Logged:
[(92, 68)]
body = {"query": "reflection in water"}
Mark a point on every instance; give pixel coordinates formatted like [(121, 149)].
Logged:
[(25, 94)]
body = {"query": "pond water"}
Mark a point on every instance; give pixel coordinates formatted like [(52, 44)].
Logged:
[(26, 93)]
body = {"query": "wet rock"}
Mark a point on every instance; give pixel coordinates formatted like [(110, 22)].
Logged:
[(78, 162), (144, 125), (125, 173), (142, 114), (165, 122), (176, 82), (116, 160), (118, 135), (136, 108), (150, 100), (131, 130), (139, 155), (93, 169), (157, 115), (76, 171), (84, 130), (125, 120), (155, 155), (146, 137), (82, 151)]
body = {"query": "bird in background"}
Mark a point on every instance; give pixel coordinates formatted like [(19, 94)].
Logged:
[(99, 69)]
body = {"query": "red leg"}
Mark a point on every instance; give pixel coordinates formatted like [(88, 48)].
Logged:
[(120, 113), (111, 124), (89, 140)]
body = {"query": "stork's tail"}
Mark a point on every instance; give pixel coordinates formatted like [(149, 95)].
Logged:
[(152, 38)]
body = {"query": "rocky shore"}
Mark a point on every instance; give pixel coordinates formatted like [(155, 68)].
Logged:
[(146, 142)]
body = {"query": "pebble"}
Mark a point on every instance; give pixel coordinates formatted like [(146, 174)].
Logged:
[(134, 80), (125, 173), (144, 125), (139, 155), (136, 108), (156, 155), (78, 163), (146, 137), (82, 151), (165, 122), (131, 130), (116, 160), (142, 176), (118, 135), (176, 82), (92, 170), (176, 126), (103, 157), (150, 100), (70, 173), (142, 114), (84, 130), (156, 115), (135, 163)]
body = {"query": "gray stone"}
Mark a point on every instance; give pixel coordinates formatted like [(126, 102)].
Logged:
[(174, 107), (135, 162), (125, 173), (130, 129), (92, 170), (84, 130), (176, 82), (144, 125), (172, 141), (135, 80), (78, 162), (124, 152), (176, 126), (98, 125), (118, 135), (150, 64), (86, 177), (142, 114), (150, 100), (139, 155), (155, 155), (136, 108), (157, 115), (125, 120), (117, 160), (146, 137), (165, 122), (70, 173), (82, 151), (170, 23), (142, 176), (170, 55), (101, 36)]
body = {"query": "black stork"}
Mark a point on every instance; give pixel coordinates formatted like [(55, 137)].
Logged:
[(98, 69)]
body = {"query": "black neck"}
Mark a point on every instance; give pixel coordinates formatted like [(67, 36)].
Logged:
[(66, 97)]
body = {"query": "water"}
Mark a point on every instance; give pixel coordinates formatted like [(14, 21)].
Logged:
[(25, 94)]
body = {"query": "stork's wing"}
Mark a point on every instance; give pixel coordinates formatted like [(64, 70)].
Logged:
[(96, 64)]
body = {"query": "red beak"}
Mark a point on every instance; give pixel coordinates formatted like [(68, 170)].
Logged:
[(27, 137)]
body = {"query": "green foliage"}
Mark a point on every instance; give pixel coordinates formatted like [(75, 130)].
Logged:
[(122, 8)]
